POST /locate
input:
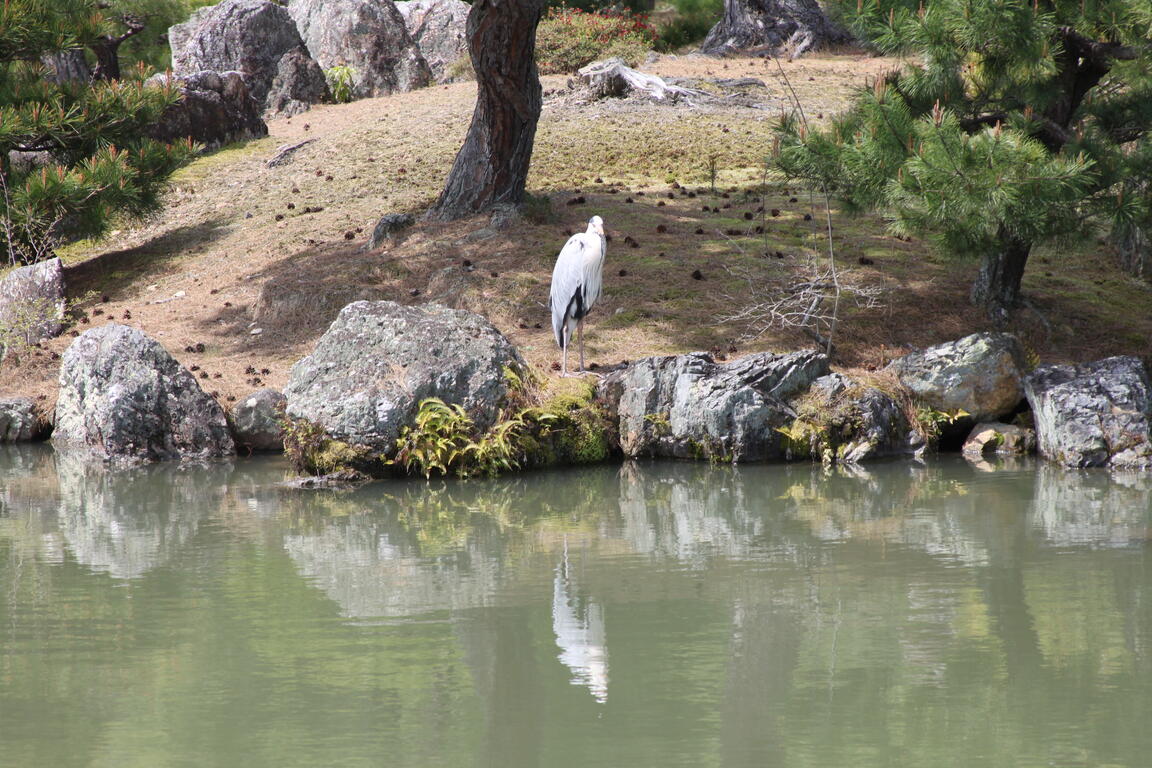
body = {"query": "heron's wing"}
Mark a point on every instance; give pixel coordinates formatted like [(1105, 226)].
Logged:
[(593, 271), (567, 281)]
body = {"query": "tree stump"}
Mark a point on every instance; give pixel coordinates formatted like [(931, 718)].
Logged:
[(776, 27), (612, 78)]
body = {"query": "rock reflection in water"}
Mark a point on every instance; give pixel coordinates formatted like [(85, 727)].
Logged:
[(120, 521), (127, 522), (1093, 508), (407, 548), (401, 549)]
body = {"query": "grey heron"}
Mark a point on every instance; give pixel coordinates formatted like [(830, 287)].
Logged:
[(576, 282)]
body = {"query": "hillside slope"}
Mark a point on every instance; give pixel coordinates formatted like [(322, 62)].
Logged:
[(248, 263)]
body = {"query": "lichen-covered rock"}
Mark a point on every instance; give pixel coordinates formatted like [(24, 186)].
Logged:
[(215, 108), (299, 83), (1093, 415), (257, 421), (31, 304), (369, 372), (979, 374), (691, 407), (440, 29), (840, 420), (367, 35), (249, 36), (388, 227), (1000, 439), (20, 421), (124, 397)]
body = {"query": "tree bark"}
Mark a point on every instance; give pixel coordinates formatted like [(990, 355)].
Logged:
[(1134, 246), (107, 50), (997, 286), (492, 165), (772, 26), (67, 66)]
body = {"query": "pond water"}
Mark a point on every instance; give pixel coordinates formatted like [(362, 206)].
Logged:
[(645, 615)]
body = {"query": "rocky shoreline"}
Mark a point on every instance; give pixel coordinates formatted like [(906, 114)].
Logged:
[(358, 405)]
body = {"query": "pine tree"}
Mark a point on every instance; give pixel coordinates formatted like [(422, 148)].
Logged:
[(492, 166), (73, 154), (1024, 120)]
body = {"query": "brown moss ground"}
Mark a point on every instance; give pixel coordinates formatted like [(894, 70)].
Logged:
[(196, 272)]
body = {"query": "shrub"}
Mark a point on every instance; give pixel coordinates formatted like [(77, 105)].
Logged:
[(569, 38), (691, 24), (340, 81)]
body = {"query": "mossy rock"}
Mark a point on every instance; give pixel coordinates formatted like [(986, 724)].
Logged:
[(311, 451), (576, 430), (840, 420), (569, 429)]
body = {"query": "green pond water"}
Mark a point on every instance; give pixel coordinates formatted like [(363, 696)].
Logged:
[(645, 615)]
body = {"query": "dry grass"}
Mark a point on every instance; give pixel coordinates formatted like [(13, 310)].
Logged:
[(644, 168)]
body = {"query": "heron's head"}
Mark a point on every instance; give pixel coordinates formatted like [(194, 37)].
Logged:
[(596, 225)]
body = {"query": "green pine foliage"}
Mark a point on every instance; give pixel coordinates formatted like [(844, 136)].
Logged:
[(1021, 120), (150, 47), (73, 155)]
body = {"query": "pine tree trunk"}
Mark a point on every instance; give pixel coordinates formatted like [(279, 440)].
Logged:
[(1135, 248), (492, 165), (67, 66), (772, 26), (107, 51), (997, 286)]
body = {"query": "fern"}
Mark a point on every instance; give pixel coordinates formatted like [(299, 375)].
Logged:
[(444, 440)]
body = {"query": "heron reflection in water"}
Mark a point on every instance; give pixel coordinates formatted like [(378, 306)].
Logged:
[(579, 629)]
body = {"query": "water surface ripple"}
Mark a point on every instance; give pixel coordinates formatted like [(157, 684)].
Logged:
[(645, 615)]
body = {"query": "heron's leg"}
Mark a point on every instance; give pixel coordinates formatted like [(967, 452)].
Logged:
[(580, 337)]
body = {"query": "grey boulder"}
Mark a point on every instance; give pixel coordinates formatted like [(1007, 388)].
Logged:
[(378, 360), (299, 83), (388, 228), (691, 407), (31, 304), (250, 36), (124, 397), (980, 374), (1095, 414), (68, 66), (998, 439), (20, 421), (215, 108), (257, 421), (367, 35), (440, 30)]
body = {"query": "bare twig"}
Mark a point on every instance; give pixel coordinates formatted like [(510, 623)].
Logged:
[(284, 152), (809, 299)]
